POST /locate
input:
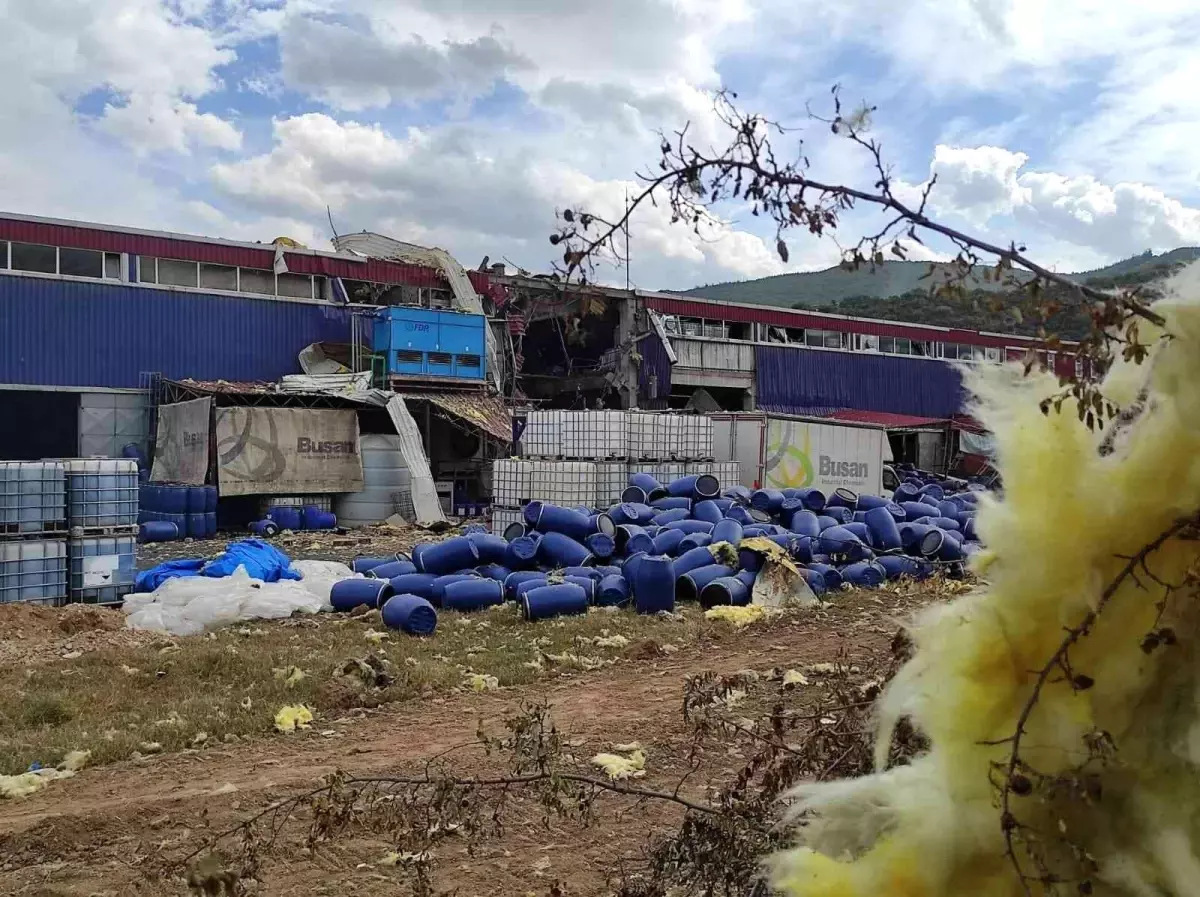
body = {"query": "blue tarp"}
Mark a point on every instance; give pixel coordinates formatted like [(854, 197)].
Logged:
[(149, 580), (262, 561)]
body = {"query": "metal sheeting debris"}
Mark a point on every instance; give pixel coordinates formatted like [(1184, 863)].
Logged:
[(424, 495), (488, 413)]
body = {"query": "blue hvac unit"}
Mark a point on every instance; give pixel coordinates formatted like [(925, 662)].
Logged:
[(422, 341)]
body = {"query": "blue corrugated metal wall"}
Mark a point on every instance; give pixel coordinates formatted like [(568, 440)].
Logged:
[(791, 378), (72, 333)]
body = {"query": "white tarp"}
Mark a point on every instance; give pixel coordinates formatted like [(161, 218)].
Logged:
[(977, 443), (181, 447), (426, 506), (800, 453), (282, 451)]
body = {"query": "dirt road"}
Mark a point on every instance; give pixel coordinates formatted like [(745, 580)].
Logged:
[(94, 834)]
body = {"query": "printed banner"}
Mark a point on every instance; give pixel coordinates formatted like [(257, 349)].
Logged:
[(807, 454), (181, 447), (285, 451)]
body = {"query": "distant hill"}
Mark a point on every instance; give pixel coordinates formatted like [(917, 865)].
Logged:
[(815, 289)]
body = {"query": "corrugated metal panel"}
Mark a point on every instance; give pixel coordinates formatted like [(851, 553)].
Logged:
[(782, 317), (654, 373), (228, 253), (488, 413), (888, 420), (806, 378), (75, 333), (714, 356)]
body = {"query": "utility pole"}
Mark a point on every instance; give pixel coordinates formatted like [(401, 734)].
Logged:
[(626, 238)]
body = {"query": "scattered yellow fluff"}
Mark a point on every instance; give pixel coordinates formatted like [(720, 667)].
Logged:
[(293, 717), (1055, 542), (736, 616), (482, 682), (27, 783), (618, 767), (290, 675)]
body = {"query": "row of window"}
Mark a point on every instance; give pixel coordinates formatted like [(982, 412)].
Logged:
[(39, 259), (832, 339), (203, 275)]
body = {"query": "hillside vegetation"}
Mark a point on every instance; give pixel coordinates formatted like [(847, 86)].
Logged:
[(900, 291)]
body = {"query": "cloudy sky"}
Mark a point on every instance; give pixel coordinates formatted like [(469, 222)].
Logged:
[(1070, 125)]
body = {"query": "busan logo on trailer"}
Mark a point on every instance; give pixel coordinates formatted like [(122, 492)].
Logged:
[(851, 470), (306, 446)]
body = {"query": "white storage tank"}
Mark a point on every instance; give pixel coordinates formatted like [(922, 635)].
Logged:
[(385, 475), (593, 435), (102, 568), (611, 479), (567, 483), (101, 492), (502, 518), (641, 434), (33, 570), (543, 434), (511, 482), (33, 497)]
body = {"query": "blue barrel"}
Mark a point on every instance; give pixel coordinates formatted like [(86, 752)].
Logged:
[(174, 499), (813, 498), (472, 594), (949, 549), (969, 531), (709, 511), (690, 560), (653, 583), (314, 518), (791, 504), (829, 573), (868, 502), (195, 525), (210, 524), (825, 522), (740, 514), (648, 484), (409, 613), (517, 577), (947, 523), (586, 583), (446, 557), (493, 571), (210, 499), (801, 548), (634, 495), (805, 523), (750, 561), (632, 513), (707, 486), (914, 510), (911, 535), (134, 451), (684, 487), (885, 534), (898, 565), (565, 599), (768, 500), (523, 587), (557, 550), (951, 509), (670, 516), (842, 498), (667, 541), (601, 545), (695, 540), (602, 524), (514, 531), (840, 514), (522, 553), (612, 591), (587, 572), (413, 584), (632, 562), (348, 594), (927, 499), (865, 574), (862, 531), (441, 582), (264, 528), (689, 585), (934, 491), (838, 541), (672, 502), (733, 590), (691, 526), (195, 500), (906, 492), (739, 494), (362, 563), (568, 522), (632, 538), (286, 516), (531, 512), (392, 569), (728, 531), (492, 549), (158, 531)]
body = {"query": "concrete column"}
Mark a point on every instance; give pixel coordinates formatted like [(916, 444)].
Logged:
[(627, 370)]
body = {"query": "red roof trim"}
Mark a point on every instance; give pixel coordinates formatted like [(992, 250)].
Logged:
[(782, 317), (221, 252), (887, 419)]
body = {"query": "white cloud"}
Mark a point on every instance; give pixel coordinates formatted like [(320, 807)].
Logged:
[(357, 69), (157, 123), (467, 191), (985, 183)]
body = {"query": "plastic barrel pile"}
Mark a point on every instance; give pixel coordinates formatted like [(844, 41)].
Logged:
[(662, 544)]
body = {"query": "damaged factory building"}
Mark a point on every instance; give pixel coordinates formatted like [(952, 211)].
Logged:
[(382, 378)]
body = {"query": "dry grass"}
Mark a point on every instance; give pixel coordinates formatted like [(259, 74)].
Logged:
[(230, 683)]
